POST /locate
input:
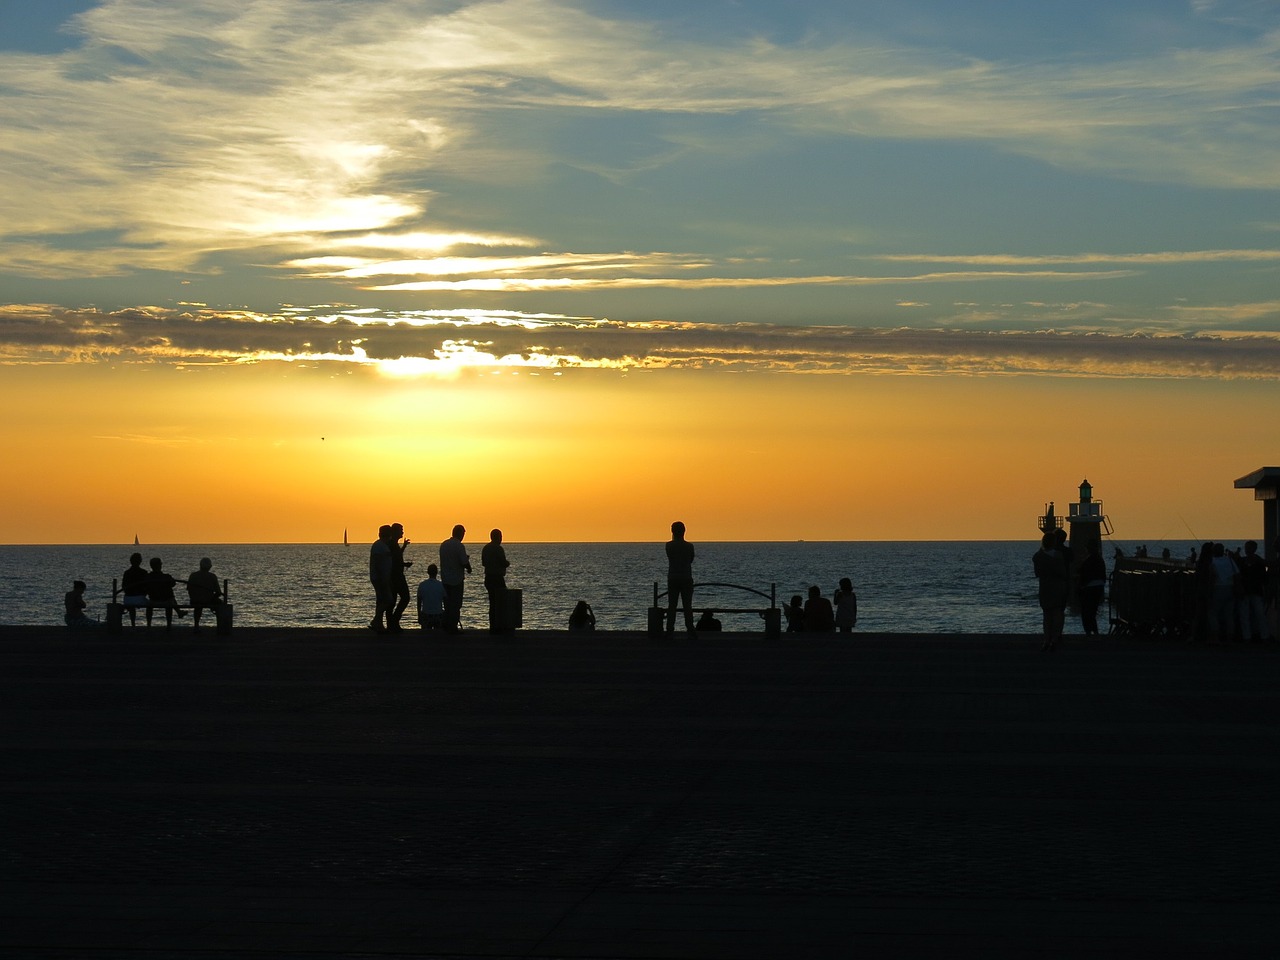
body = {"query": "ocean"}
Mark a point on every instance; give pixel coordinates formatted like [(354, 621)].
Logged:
[(902, 587)]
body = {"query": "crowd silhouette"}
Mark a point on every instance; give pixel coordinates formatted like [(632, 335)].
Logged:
[(1234, 590)]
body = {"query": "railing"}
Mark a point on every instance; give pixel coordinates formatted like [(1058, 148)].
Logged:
[(772, 614), (1152, 597)]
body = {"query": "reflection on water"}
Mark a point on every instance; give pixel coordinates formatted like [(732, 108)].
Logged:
[(903, 587)]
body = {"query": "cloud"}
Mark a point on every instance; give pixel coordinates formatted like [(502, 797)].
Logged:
[(1170, 257), (411, 343), (182, 130), (532, 284)]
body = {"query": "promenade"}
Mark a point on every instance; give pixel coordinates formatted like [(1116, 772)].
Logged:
[(333, 794)]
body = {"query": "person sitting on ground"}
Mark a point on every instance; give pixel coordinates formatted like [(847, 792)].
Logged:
[(795, 614), (431, 600), (160, 593), (707, 623), (204, 590), (74, 600), (583, 618), (818, 615)]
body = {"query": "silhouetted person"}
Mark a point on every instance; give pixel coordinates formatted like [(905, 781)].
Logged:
[(74, 603), (1093, 587), (1204, 594), (795, 614), (1064, 548), (133, 587), (1222, 609), (846, 606), (1253, 595), (204, 590), (160, 593), (818, 615), (399, 582), (679, 579), (380, 576), (707, 623), (583, 618), (1050, 568), (431, 600), (494, 560), (454, 567)]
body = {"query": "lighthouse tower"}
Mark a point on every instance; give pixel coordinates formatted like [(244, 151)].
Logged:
[(1086, 523)]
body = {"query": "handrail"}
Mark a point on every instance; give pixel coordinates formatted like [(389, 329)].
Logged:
[(771, 596)]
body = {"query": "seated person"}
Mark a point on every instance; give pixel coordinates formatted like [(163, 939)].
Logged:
[(431, 600), (74, 600), (583, 618), (133, 585), (794, 612), (707, 622), (160, 593), (818, 615), (204, 590)]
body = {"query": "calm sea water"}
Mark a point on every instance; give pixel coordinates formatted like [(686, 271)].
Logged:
[(903, 587)]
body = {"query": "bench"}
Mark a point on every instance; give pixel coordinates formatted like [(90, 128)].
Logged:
[(771, 614), (223, 612)]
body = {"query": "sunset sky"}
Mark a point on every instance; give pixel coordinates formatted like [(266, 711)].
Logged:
[(819, 269)]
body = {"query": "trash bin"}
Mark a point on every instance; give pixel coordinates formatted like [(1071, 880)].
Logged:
[(115, 617), (657, 622), (224, 614), (773, 623), (513, 608)]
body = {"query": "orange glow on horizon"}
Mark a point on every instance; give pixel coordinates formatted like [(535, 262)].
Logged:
[(282, 453)]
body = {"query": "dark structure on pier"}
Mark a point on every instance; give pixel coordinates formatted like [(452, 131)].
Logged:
[(1086, 523), (1265, 484)]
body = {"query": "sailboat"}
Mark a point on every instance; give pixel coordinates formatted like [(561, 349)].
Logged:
[(344, 537), (135, 539)]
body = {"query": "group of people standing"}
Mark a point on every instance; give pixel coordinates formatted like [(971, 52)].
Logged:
[(1052, 567), (439, 596), (1232, 593)]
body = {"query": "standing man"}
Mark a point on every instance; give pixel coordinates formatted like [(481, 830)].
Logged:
[(1092, 587), (1051, 570), (1254, 627), (494, 560), (399, 584), (380, 577), (454, 566), (679, 579)]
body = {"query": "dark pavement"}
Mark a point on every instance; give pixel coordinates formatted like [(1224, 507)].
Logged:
[(327, 793)]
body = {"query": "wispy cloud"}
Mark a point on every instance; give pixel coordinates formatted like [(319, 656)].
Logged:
[(168, 138), (525, 284), (1161, 258), (438, 343)]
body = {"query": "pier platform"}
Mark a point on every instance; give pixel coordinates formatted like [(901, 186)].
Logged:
[(336, 794)]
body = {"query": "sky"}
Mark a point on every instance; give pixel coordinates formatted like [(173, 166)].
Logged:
[(904, 270)]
